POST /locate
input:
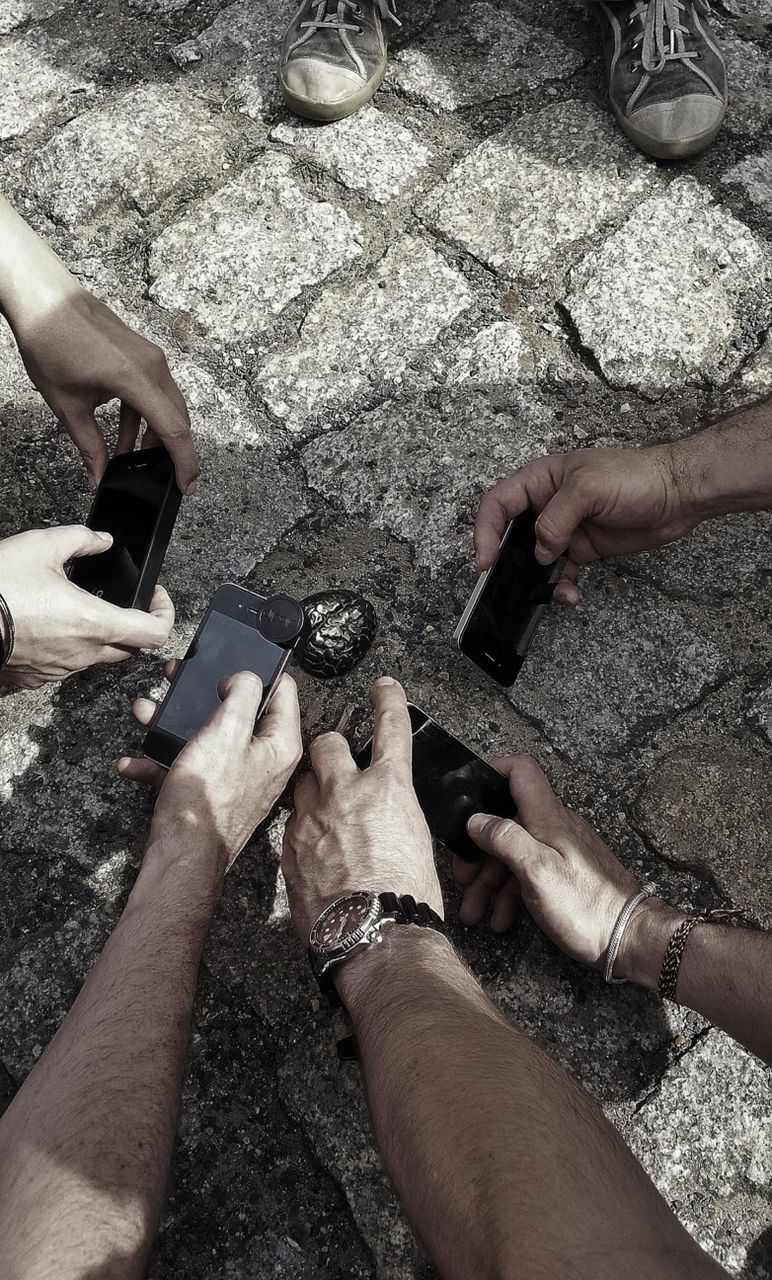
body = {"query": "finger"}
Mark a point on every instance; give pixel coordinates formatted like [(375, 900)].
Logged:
[(561, 517), (477, 896), (567, 592), (464, 871), (170, 424), (331, 760), (497, 508), (83, 429), (306, 799), (171, 668), (128, 428), (162, 608), (143, 710), (392, 731), (137, 769), (235, 718), (506, 905), (70, 541), (534, 798), (282, 719), (133, 628), (502, 838)]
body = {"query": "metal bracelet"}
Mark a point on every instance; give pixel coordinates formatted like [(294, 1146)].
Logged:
[(7, 633), (617, 933)]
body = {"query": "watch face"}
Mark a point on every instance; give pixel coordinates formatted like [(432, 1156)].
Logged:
[(340, 921)]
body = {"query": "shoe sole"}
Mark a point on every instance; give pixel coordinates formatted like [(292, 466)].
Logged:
[(329, 111), (679, 150)]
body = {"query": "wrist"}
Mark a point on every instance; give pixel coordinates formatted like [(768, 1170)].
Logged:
[(644, 942), (375, 973)]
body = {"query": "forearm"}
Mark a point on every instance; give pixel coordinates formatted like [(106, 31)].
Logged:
[(86, 1144), (724, 973), (727, 467), (32, 278), (489, 1143)]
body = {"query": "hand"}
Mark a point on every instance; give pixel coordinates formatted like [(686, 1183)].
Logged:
[(594, 502), (228, 777), (552, 862), (61, 629), (355, 829), (79, 355)]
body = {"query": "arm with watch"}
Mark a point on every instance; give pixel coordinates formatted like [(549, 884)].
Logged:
[(520, 1174)]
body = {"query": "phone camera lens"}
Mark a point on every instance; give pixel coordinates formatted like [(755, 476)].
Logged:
[(281, 619)]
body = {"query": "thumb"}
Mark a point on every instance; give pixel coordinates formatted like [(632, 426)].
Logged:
[(559, 520), (70, 541), (501, 837)]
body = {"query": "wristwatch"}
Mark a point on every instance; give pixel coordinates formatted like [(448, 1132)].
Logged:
[(355, 921)]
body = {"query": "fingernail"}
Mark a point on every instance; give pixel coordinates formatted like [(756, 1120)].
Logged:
[(478, 821), (106, 537), (383, 681), (191, 489), (543, 555)]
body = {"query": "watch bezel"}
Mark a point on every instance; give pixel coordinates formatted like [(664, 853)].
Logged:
[(375, 912)]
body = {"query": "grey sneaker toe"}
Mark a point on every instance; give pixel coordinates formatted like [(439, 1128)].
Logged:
[(310, 86), (674, 130)]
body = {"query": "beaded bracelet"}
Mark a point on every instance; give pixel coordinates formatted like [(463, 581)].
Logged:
[(7, 633)]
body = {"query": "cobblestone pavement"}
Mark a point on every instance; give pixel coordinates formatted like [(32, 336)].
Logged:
[(372, 321)]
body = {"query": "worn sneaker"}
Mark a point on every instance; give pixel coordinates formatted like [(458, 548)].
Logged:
[(334, 56), (667, 77)]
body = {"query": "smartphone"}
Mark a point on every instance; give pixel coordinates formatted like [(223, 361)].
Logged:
[(240, 631), (451, 783), (506, 606), (137, 502)]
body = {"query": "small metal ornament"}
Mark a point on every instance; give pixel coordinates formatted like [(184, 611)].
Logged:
[(340, 628)]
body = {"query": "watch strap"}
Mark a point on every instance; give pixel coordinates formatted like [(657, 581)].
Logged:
[(403, 909)]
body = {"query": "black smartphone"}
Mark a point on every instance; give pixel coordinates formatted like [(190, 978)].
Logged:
[(240, 631), (506, 606), (451, 783), (137, 502)]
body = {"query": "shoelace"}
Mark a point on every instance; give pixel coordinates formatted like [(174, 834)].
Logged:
[(663, 32), (325, 19)]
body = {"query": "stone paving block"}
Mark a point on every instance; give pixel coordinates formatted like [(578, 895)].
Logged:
[(15, 13), (477, 52), (250, 493), (760, 711), (237, 258), (236, 57), (133, 154), (721, 560), (35, 78), (711, 808), (754, 175), (749, 71), (715, 1168), (513, 353), (524, 200), (155, 7), (647, 665), (364, 333), (677, 295), (368, 152), (417, 468)]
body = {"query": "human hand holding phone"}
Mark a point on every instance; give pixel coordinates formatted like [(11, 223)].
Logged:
[(359, 829), (592, 503), (230, 774), (551, 862), (59, 628)]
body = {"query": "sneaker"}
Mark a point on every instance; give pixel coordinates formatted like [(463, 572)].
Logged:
[(667, 77), (334, 56)]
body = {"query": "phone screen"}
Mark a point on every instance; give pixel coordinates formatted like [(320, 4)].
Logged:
[(451, 783), (513, 598), (129, 500), (223, 646)]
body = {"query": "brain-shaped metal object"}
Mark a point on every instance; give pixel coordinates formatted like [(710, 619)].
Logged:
[(340, 629)]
